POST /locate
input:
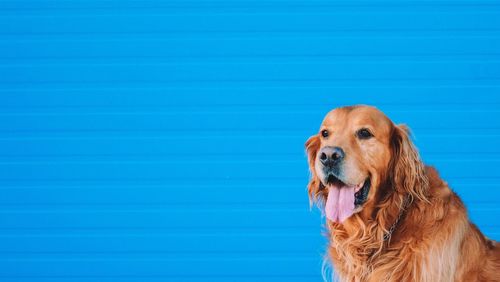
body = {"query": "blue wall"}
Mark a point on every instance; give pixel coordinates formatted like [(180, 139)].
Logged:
[(163, 141)]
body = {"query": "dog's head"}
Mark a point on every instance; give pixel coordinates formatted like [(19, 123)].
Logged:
[(358, 158)]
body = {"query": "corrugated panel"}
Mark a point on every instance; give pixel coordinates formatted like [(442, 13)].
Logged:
[(163, 141)]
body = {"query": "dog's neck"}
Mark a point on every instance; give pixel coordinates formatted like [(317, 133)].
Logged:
[(406, 204), (358, 243)]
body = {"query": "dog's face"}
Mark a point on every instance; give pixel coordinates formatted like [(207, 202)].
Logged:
[(351, 157)]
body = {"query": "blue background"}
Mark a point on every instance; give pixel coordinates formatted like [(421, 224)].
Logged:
[(163, 141)]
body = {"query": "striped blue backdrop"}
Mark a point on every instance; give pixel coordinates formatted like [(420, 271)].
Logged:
[(163, 140)]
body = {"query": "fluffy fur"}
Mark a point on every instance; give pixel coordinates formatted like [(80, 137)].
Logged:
[(434, 241)]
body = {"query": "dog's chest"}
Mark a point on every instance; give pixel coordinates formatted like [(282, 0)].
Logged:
[(434, 263)]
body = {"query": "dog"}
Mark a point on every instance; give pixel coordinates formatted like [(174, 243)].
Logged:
[(389, 217)]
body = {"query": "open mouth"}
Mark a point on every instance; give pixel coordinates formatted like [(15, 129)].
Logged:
[(361, 190), (344, 199)]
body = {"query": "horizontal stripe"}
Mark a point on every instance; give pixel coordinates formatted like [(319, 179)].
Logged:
[(96, 23), (183, 245), (162, 278), (160, 267), (323, 59), (56, 5), (119, 98), (270, 83), (242, 71), (248, 10), (429, 34)]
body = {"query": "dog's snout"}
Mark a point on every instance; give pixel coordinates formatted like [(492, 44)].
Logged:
[(331, 156)]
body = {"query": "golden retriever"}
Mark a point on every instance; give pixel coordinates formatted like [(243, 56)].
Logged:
[(390, 217)]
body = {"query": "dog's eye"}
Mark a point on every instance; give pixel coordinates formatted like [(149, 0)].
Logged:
[(324, 133), (364, 133)]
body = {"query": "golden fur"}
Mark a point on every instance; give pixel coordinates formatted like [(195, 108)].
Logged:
[(434, 241)]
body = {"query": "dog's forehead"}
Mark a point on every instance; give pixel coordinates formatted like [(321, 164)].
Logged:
[(357, 116)]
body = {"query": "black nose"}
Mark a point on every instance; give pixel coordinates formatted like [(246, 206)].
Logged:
[(331, 156)]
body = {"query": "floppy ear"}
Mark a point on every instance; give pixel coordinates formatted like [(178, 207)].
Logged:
[(312, 147), (408, 171)]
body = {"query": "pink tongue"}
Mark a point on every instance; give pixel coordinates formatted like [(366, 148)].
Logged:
[(340, 203)]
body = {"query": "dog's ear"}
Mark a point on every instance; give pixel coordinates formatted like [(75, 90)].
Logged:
[(408, 171), (312, 146)]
